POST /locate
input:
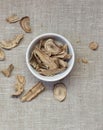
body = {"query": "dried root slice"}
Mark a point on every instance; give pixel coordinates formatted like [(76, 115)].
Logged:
[(2, 55), (13, 18), (45, 59), (33, 92), (51, 47), (51, 72), (25, 24), (93, 45), (84, 60), (19, 86), (7, 72), (60, 91), (63, 63), (11, 43), (64, 56)]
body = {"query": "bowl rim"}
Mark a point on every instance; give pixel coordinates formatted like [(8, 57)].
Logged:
[(48, 78)]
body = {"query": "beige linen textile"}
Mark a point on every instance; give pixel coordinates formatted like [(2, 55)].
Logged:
[(77, 20)]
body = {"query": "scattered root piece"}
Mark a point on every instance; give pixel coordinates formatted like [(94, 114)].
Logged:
[(33, 92), (25, 24), (93, 46), (60, 91), (11, 43), (2, 55), (7, 72), (84, 60), (13, 18), (19, 86)]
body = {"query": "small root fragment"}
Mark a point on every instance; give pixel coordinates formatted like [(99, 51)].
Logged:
[(84, 60), (33, 92), (12, 43), (19, 86), (63, 63), (7, 72), (45, 59), (13, 18), (25, 24), (60, 91), (2, 55), (93, 46)]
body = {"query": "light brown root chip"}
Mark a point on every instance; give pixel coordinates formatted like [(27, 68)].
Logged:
[(7, 72), (25, 24), (51, 47), (13, 18), (19, 86), (93, 46), (2, 55), (33, 92), (45, 59), (84, 60), (60, 91), (51, 72), (63, 63), (11, 43)]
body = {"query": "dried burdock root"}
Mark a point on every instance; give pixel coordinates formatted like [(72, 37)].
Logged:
[(11, 43), (51, 72), (13, 18), (19, 86), (45, 59), (2, 55), (51, 47), (33, 92), (84, 60), (7, 72), (60, 91), (63, 63), (93, 45), (49, 57), (25, 24)]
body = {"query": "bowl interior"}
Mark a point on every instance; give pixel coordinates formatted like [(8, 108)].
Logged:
[(60, 39)]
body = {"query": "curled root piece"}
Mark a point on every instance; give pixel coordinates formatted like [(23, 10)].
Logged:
[(25, 24), (7, 72), (19, 86), (93, 46), (33, 92), (60, 91), (11, 43), (51, 47), (2, 55), (13, 18)]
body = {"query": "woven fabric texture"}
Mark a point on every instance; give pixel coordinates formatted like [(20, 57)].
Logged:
[(80, 21)]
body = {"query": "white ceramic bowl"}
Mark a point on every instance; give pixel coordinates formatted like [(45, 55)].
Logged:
[(57, 76)]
